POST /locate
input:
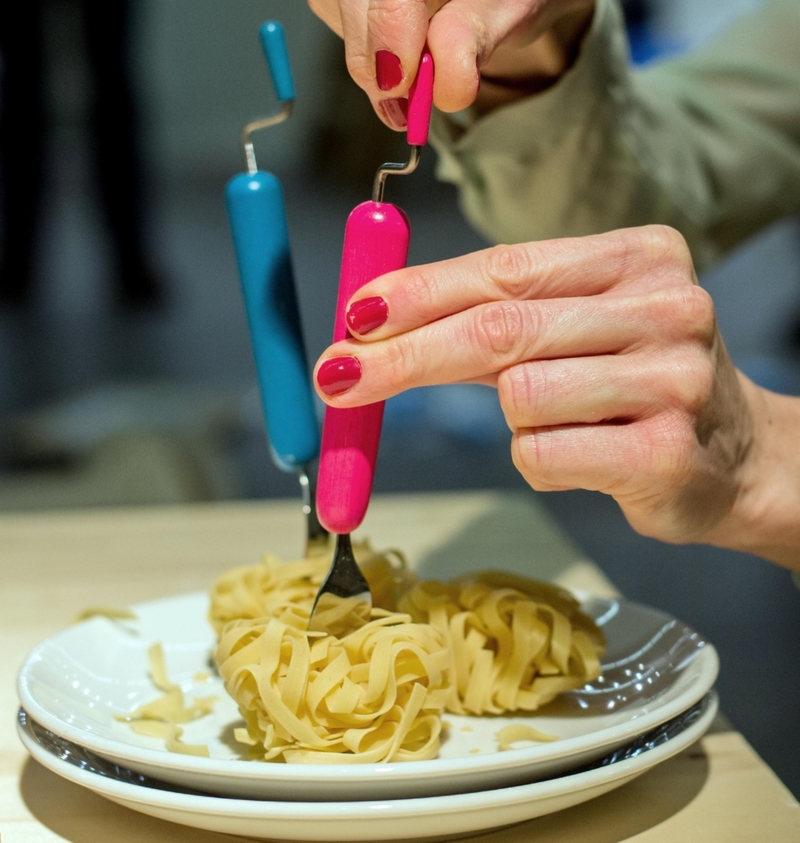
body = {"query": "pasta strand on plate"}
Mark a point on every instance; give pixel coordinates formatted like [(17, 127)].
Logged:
[(160, 718)]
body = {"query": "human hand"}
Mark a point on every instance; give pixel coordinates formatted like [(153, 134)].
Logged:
[(533, 40), (607, 360)]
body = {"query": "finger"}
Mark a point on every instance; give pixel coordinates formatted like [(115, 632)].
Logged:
[(653, 468), (454, 39), (350, 23), (620, 262), (462, 36), (397, 30), (622, 460), (328, 12), (383, 43), (594, 390), (491, 337), (353, 15)]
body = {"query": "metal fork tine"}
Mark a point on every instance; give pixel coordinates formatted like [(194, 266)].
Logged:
[(344, 600)]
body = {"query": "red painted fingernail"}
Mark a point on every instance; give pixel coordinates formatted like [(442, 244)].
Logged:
[(396, 112), (338, 374), (388, 70), (367, 315)]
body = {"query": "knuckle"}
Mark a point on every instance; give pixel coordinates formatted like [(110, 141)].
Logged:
[(665, 242), (693, 385), (510, 269), (358, 65), (672, 253), (416, 289), (401, 364), (701, 312), (499, 328), (670, 443), (699, 392), (525, 453), (691, 310), (459, 17), (655, 251), (530, 454), (386, 13), (523, 390), (514, 394), (377, 8)]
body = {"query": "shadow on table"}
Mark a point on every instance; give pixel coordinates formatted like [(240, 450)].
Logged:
[(515, 536), (650, 800), (78, 815)]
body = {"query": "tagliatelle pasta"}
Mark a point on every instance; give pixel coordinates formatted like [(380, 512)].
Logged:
[(483, 644), (509, 735), (514, 643), (160, 718), (486, 643), (113, 614), (374, 695), (286, 590)]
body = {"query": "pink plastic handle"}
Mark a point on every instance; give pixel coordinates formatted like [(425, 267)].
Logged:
[(420, 102), (375, 242)]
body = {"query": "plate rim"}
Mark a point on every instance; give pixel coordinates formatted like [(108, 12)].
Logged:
[(388, 808), (321, 774)]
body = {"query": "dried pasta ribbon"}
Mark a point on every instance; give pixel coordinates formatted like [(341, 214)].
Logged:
[(160, 718), (286, 590), (374, 695), (514, 643), (110, 612), (509, 735)]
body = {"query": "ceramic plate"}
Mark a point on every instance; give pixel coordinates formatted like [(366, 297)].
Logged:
[(401, 819), (75, 682)]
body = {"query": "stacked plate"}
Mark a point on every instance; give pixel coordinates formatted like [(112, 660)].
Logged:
[(653, 700)]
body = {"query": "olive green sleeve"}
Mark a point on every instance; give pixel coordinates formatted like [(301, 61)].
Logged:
[(708, 143)]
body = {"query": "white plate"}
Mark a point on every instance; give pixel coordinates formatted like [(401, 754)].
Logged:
[(435, 816), (74, 683)]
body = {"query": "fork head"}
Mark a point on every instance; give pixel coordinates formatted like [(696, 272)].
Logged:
[(344, 601)]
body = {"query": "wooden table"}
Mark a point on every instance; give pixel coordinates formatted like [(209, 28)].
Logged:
[(53, 565)]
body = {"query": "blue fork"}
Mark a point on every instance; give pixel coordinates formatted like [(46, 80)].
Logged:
[(261, 240)]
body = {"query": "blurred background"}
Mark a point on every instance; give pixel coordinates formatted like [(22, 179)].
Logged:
[(126, 374)]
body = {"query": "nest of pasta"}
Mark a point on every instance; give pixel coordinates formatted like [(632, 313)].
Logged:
[(485, 643), (286, 590), (374, 695), (514, 643)]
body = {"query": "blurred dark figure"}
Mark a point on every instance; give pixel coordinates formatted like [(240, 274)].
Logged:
[(113, 134)]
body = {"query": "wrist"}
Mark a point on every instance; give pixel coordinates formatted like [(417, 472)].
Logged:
[(765, 518)]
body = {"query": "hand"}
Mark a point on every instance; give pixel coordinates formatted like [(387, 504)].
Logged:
[(607, 361), (531, 40)]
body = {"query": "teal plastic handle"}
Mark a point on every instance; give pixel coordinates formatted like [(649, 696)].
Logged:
[(261, 239), (273, 41)]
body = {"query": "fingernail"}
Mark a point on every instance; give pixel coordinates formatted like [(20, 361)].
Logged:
[(367, 315), (396, 112), (388, 70), (338, 374)]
